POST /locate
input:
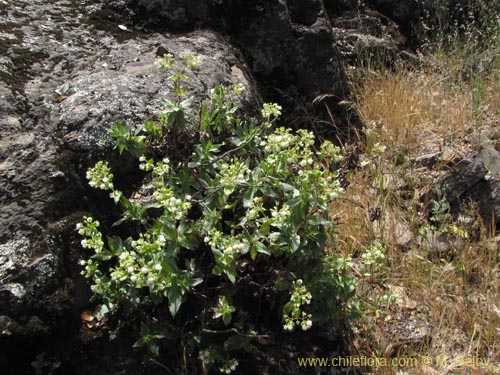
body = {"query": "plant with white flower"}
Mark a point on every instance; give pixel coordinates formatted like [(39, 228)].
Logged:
[(293, 315), (242, 206), (373, 253), (236, 89), (165, 62), (88, 228), (161, 170), (233, 174), (254, 208), (225, 252), (330, 152), (190, 61), (224, 310), (229, 366), (100, 176), (372, 258), (146, 164), (271, 110), (280, 216)]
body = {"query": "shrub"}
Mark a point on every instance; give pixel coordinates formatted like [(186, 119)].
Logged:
[(232, 236)]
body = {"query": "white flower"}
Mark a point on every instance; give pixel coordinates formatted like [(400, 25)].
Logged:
[(144, 270), (150, 281), (158, 267), (133, 278), (306, 325), (130, 269)]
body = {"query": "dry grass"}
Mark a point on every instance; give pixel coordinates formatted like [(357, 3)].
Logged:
[(457, 292)]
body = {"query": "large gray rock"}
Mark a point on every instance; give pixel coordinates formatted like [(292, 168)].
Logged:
[(367, 38), (64, 79)]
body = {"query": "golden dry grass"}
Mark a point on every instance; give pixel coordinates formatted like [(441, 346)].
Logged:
[(408, 113)]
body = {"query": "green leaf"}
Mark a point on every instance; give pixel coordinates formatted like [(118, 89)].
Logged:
[(196, 281), (261, 248), (295, 242), (268, 191), (248, 197), (226, 318), (175, 300), (154, 348), (231, 274), (103, 255), (185, 104), (318, 220), (115, 244), (294, 202), (139, 343), (286, 187), (253, 252)]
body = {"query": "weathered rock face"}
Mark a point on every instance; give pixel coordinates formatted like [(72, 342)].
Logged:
[(368, 38), (289, 46), (475, 178), (67, 72)]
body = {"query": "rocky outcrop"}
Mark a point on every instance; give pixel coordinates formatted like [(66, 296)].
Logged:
[(368, 38), (475, 178), (65, 78), (289, 47)]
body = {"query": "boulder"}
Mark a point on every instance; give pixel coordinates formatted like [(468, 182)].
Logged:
[(474, 178), (367, 38), (64, 80)]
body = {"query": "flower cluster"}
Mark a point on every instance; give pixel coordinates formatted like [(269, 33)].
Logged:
[(373, 254), (165, 62), (271, 110), (292, 313), (284, 149), (255, 207), (229, 366), (100, 176), (146, 164), (280, 216), (173, 207), (190, 61), (232, 174), (372, 258), (330, 152), (88, 228)]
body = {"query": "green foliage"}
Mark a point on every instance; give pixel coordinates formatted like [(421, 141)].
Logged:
[(246, 212)]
